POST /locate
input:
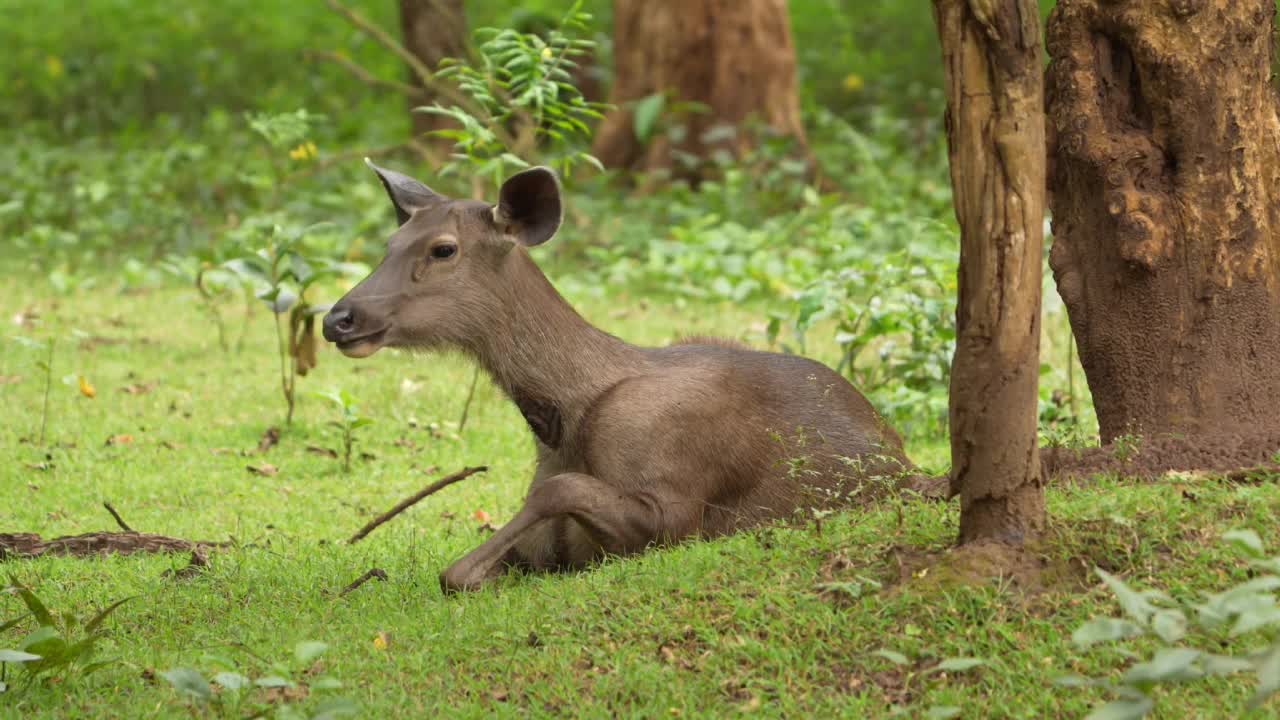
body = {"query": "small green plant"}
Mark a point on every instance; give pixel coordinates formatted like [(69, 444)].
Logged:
[(283, 270), (517, 102), (215, 285), (1249, 609), (348, 423), (1127, 446), (284, 684), (45, 364), (56, 646)]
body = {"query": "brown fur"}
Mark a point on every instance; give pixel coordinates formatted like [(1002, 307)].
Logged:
[(636, 446)]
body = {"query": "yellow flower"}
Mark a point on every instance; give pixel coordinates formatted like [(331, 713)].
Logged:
[(53, 64), (305, 151), (853, 82), (546, 53), (380, 641), (87, 389)]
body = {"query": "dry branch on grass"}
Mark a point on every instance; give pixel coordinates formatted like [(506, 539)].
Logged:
[(414, 499), (31, 545), (371, 574)]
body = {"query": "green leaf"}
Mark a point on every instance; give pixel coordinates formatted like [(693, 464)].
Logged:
[(309, 650), (188, 682), (97, 619), (16, 656), (37, 608), (12, 623), (1265, 615), (1247, 539), (1136, 605), (1225, 664), (1169, 625), (1124, 709), (360, 422), (1168, 665), (1079, 681), (896, 658), (957, 665), (1268, 669), (232, 680), (326, 682), (271, 681), (1104, 629), (645, 115), (336, 708)]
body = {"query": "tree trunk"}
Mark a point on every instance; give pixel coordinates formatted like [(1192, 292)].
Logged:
[(433, 30), (1165, 190), (735, 57), (995, 136)]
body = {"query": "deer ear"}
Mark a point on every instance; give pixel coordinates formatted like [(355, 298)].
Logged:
[(529, 209), (406, 193)]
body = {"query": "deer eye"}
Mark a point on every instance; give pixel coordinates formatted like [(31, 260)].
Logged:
[(444, 251)]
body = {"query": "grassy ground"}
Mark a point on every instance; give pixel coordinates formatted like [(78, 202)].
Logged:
[(703, 630)]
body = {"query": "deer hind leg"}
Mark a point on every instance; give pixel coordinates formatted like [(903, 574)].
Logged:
[(619, 523)]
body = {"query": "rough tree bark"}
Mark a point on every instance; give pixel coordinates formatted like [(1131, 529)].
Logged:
[(432, 30), (995, 136), (733, 56), (1165, 190)]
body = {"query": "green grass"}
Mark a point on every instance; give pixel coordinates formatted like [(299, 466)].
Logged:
[(702, 630)]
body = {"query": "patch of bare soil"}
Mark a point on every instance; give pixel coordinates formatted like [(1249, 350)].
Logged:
[(979, 563), (1152, 457)]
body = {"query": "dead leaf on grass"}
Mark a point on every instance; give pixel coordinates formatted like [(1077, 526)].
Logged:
[(269, 439), (10, 379), (138, 388), (317, 450), (263, 469), (122, 439)]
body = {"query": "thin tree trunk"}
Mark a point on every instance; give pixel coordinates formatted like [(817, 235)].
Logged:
[(995, 134), (433, 30), (1165, 190), (735, 57)]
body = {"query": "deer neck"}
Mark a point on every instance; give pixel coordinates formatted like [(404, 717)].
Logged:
[(549, 360)]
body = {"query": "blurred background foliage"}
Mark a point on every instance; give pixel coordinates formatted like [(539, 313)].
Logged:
[(128, 158)]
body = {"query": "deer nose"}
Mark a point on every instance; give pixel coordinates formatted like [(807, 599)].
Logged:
[(339, 322)]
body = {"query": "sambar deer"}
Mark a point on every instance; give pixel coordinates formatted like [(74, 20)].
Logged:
[(636, 446)]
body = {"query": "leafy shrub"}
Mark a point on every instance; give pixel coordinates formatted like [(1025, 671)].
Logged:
[(1247, 610), (57, 646)]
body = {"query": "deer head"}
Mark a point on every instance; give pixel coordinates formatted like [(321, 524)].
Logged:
[(447, 269)]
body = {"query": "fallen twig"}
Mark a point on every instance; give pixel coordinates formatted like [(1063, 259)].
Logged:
[(466, 407), (199, 563), (371, 574), (31, 545), (414, 499), (119, 520)]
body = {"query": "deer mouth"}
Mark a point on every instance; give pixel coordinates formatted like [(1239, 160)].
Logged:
[(363, 345)]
